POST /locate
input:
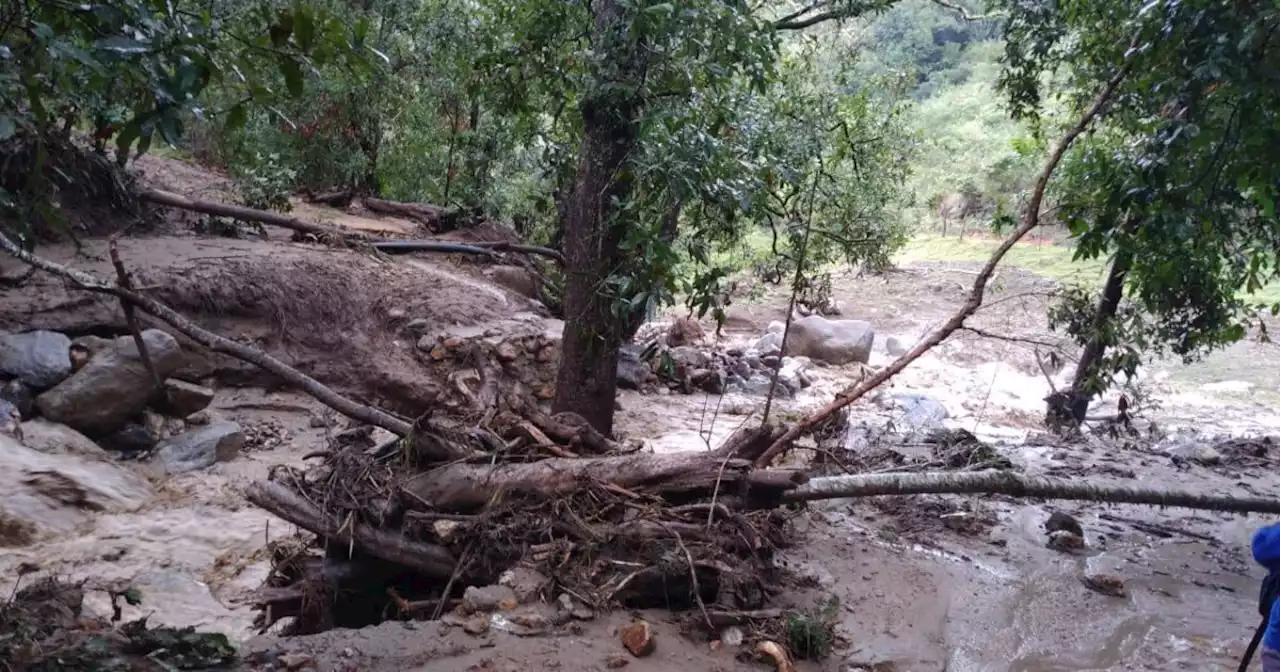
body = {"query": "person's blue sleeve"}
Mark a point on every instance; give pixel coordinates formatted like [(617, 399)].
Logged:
[(1266, 547)]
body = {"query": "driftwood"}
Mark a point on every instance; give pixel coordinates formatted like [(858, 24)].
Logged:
[(433, 217), (976, 295), (427, 559), (484, 249), (250, 215), (1016, 485), (677, 476), (432, 450)]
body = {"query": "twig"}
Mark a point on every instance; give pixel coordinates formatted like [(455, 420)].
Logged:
[(463, 563), (1030, 221), (1010, 339), (693, 574), (122, 278)]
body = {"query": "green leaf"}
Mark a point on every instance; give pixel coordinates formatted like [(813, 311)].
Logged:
[(292, 72), (171, 128), (304, 27), (133, 596), (236, 117), (7, 127), (282, 28)]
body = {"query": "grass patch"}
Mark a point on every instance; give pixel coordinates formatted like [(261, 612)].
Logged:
[(1043, 258), (1046, 259)]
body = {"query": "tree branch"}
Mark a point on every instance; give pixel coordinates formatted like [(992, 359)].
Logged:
[(964, 13), (976, 295), (1016, 485)]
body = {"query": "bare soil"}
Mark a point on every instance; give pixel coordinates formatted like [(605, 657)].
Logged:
[(938, 583)]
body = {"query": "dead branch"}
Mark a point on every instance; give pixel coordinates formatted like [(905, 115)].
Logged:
[(1030, 221), (428, 559), (122, 279), (434, 217), (249, 215), (367, 414), (1017, 485)]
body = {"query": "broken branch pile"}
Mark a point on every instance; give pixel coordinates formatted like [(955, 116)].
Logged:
[(399, 534)]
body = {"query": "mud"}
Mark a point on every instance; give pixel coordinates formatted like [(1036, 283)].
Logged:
[(916, 593)]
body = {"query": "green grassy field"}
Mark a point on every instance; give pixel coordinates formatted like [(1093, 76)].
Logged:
[(1042, 258)]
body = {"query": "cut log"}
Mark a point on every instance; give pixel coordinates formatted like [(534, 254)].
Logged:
[(434, 217), (249, 215), (677, 477), (1017, 485), (427, 559)]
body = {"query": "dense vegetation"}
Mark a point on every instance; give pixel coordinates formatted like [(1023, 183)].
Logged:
[(651, 141)]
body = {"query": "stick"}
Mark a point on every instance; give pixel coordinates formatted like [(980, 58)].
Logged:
[(1016, 485), (322, 393), (122, 278), (976, 295), (427, 559)]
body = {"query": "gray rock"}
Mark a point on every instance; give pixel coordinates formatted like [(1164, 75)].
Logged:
[(769, 344), (1191, 447), (55, 439), (759, 385), (832, 341), (714, 383), (918, 413), (113, 387), (41, 359), (10, 420), (487, 598), (19, 394), (689, 357), (418, 325), (48, 495), (776, 327), (793, 373), (201, 447), (186, 398), (632, 371), (895, 347)]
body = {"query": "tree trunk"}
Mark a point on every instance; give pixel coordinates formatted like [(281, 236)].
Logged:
[(587, 380), (1074, 405), (466, 487)]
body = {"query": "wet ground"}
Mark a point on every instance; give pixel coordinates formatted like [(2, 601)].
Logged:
[(917, 591)]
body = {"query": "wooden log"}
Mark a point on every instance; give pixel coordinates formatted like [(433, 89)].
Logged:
[(249, 215), (1017, 485), (433, 217), (466, 487), (427, 559)]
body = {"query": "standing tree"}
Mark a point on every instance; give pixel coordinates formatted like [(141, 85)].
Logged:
[(1179, 185)]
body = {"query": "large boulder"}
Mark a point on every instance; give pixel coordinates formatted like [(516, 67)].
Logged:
[(55, 439), (112, 387), (50, 495), (201, 447), (831, 341), (633, 372), (186, 398), (40, 359)]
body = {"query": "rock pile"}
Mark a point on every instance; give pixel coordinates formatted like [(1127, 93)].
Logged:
[(64, 396), (524, 351)]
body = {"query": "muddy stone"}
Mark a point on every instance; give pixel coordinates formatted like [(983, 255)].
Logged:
[(10, 419), (202, 447), (832, 341), (632, 372), (130, 439), (638, 638), (49, 495), (526, 584), (113, 387), (40, 359), (488, 598), (55, 439), (186, 398), (19, 394)]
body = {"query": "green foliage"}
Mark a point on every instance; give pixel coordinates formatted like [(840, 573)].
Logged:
[(1183, 176), (811, 635), (266, 184)]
